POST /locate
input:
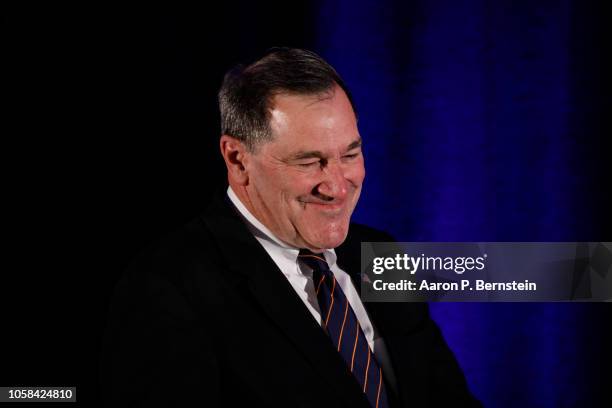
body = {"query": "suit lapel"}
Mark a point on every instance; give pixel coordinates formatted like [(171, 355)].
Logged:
[(249, 261)]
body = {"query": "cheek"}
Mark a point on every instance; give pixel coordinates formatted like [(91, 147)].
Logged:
[(272, 180), (298, 183), (285, 189)]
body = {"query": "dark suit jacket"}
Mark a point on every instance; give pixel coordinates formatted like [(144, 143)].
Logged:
[(205, 318)]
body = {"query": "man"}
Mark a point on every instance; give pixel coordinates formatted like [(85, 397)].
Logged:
[(256, 302)]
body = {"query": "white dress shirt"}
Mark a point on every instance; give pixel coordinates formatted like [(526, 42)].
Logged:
[(299, 276)]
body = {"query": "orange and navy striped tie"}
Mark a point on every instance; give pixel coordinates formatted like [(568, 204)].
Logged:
[(342, 326)]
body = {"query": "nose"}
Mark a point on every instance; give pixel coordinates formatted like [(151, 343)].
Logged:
[(334, 185)]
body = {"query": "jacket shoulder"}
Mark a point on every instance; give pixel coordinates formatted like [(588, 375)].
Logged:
[(176, 263)]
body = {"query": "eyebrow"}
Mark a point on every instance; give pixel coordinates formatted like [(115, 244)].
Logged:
[(317, 154)]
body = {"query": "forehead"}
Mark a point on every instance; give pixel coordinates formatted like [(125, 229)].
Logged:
[(304, 121)]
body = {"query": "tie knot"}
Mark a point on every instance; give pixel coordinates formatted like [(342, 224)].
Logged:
[(316, 261)]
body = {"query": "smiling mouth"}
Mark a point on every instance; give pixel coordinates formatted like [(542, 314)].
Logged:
[(324, 206)]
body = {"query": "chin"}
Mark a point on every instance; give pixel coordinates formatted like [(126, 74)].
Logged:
[(333, 239)]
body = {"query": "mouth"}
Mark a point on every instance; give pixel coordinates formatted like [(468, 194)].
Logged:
[(328, 207)]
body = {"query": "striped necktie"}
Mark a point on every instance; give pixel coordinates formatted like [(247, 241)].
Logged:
[(342, 326)]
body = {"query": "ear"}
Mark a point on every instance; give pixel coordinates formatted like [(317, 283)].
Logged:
[(235, 154)]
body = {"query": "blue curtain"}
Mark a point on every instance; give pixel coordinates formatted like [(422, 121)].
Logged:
[(474, 120)]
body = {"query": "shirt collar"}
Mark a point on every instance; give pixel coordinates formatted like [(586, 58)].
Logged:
[(261, 231)]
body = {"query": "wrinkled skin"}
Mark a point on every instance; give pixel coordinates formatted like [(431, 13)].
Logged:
[(304, 184)]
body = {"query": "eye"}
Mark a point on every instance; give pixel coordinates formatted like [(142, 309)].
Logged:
[(351, 156), (309, 164)]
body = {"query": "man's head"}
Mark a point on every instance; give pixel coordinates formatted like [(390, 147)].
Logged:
[(291, 146)]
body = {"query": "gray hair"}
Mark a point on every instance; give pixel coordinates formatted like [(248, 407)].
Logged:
[(246, 93)]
